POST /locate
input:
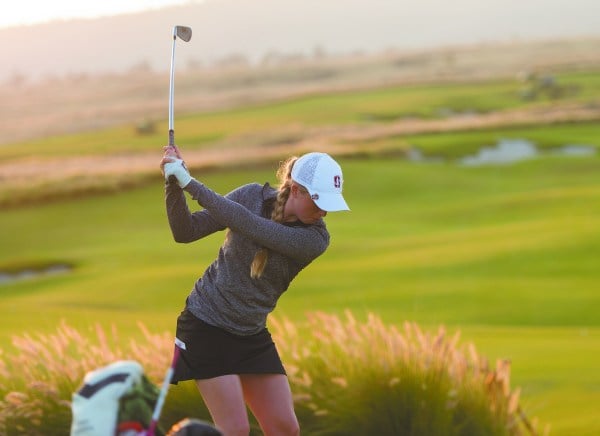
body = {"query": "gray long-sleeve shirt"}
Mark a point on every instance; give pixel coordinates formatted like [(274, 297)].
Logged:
[(226, 296)]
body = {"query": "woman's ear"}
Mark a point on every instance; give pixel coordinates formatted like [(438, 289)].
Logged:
[(294, 189)]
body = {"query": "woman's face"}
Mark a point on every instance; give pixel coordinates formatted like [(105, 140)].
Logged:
[(301, 207)]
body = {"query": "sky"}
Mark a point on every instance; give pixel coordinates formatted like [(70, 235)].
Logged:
[(255, 29), (25, 12)]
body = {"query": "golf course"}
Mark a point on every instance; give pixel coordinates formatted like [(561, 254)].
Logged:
[(444, 230)]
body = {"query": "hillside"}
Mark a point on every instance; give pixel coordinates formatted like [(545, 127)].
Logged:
[(86, 102)]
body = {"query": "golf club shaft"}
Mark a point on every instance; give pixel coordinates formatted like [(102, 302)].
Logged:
[(185, 34), (163, 394), (171, 92)]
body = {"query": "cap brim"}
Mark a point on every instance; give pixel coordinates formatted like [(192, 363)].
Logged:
[(331, 202)]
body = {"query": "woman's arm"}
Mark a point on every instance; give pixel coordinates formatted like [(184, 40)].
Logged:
[(185, 225), (300, 242)]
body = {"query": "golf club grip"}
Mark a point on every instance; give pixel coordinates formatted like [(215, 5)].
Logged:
[(172, 179)]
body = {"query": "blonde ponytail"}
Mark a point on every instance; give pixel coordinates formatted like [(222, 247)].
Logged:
[(284, 175)]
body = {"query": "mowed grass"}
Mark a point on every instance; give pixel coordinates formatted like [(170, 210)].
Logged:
[(546, 138), (381, 105), (507, 255)]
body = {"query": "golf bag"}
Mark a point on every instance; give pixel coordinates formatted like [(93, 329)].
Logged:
[(114, 400)]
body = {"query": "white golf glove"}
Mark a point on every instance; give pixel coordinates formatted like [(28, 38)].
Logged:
[(177, 169)]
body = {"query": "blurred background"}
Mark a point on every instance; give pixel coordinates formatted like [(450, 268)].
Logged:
[(468, 133), (66, 51)]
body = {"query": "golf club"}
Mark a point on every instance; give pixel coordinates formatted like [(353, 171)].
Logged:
[(164, 389), (185, 34)]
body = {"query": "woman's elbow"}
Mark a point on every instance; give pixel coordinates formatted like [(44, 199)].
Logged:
[(182, 237), (181, 240)]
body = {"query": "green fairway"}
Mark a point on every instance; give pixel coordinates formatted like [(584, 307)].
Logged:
[(364, 108), (459, 144), (506, 254)]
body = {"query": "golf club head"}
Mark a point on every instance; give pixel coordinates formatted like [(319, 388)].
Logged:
[(193, 427), (182, 32)]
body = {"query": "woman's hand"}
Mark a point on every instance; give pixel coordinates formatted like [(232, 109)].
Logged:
[(177, 169), (171, 153), (172, 164)]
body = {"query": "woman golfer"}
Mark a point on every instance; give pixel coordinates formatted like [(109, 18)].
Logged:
[(272, 234)]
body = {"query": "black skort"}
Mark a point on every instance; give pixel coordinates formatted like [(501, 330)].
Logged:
[(212, 352)]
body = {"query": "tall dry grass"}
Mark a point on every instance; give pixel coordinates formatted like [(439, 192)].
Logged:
[(39, 376), (347, 377), (369, 378)]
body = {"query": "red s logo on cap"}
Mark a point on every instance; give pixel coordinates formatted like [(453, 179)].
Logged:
[(337, 181)]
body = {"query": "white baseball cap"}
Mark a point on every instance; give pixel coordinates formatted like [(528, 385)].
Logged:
[(322, 177)]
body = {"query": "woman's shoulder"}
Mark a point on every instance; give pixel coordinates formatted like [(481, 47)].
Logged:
[(253, 194), (264, 191)]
